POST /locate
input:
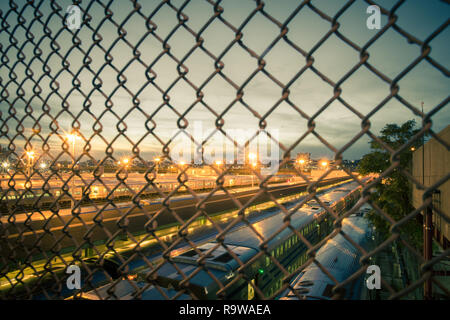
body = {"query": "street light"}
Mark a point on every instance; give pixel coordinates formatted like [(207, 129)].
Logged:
[(253, 159), (301, 162), (324, 163), (5, 166), (30, 155), (73, 138), (182, 164), (254, 164), (157, 160)]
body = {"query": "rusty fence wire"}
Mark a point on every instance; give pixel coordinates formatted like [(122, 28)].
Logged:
[(68, 91)]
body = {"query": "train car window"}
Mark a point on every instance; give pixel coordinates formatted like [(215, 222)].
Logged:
[(225, 257), (306, 283), (267, 261), (189, 253)]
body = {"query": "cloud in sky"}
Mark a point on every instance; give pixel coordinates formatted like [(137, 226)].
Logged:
[(167, 96)]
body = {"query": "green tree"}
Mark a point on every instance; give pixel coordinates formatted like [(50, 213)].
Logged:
[(393, 194)]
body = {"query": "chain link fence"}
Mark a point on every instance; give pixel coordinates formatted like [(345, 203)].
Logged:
[(90, 89)]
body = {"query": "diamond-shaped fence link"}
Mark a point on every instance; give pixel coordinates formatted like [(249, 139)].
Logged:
[(90, 177)]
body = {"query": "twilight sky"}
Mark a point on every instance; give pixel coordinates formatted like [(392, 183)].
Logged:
[(390, 54)]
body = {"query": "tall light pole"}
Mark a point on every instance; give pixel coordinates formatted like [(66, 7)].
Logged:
[(157, 160), (126, 163), (301, 162), (5, 166), (182, 164), (252, 157), (254, 164), (30, 155), (72, 138)]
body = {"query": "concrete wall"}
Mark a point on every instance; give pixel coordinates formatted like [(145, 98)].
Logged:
[(436, 165)]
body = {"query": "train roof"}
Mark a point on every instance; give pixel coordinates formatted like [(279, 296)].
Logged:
[(242, 242), (219, 263), (269, 226), (338, 256), (126, 289), (220, 258)]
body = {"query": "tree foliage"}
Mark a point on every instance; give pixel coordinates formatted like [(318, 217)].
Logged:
[(394, 193)]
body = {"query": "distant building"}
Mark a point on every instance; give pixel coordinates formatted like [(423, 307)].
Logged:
[(434, 160)]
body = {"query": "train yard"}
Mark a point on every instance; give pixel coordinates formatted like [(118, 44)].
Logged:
[(202, 231)]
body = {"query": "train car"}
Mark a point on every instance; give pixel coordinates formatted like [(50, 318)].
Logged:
[(24, 200), (100, 274), (286, 247), (341, 260), (126, 289)]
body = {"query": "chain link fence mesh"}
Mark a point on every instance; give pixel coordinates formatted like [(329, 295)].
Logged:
[(63, 89)]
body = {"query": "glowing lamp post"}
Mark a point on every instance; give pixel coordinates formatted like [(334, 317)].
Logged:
[(182, 164), (252, 157), (157, 161), (30, 156), (72, 138), (301, 162), (5, 166), (254, 164)]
